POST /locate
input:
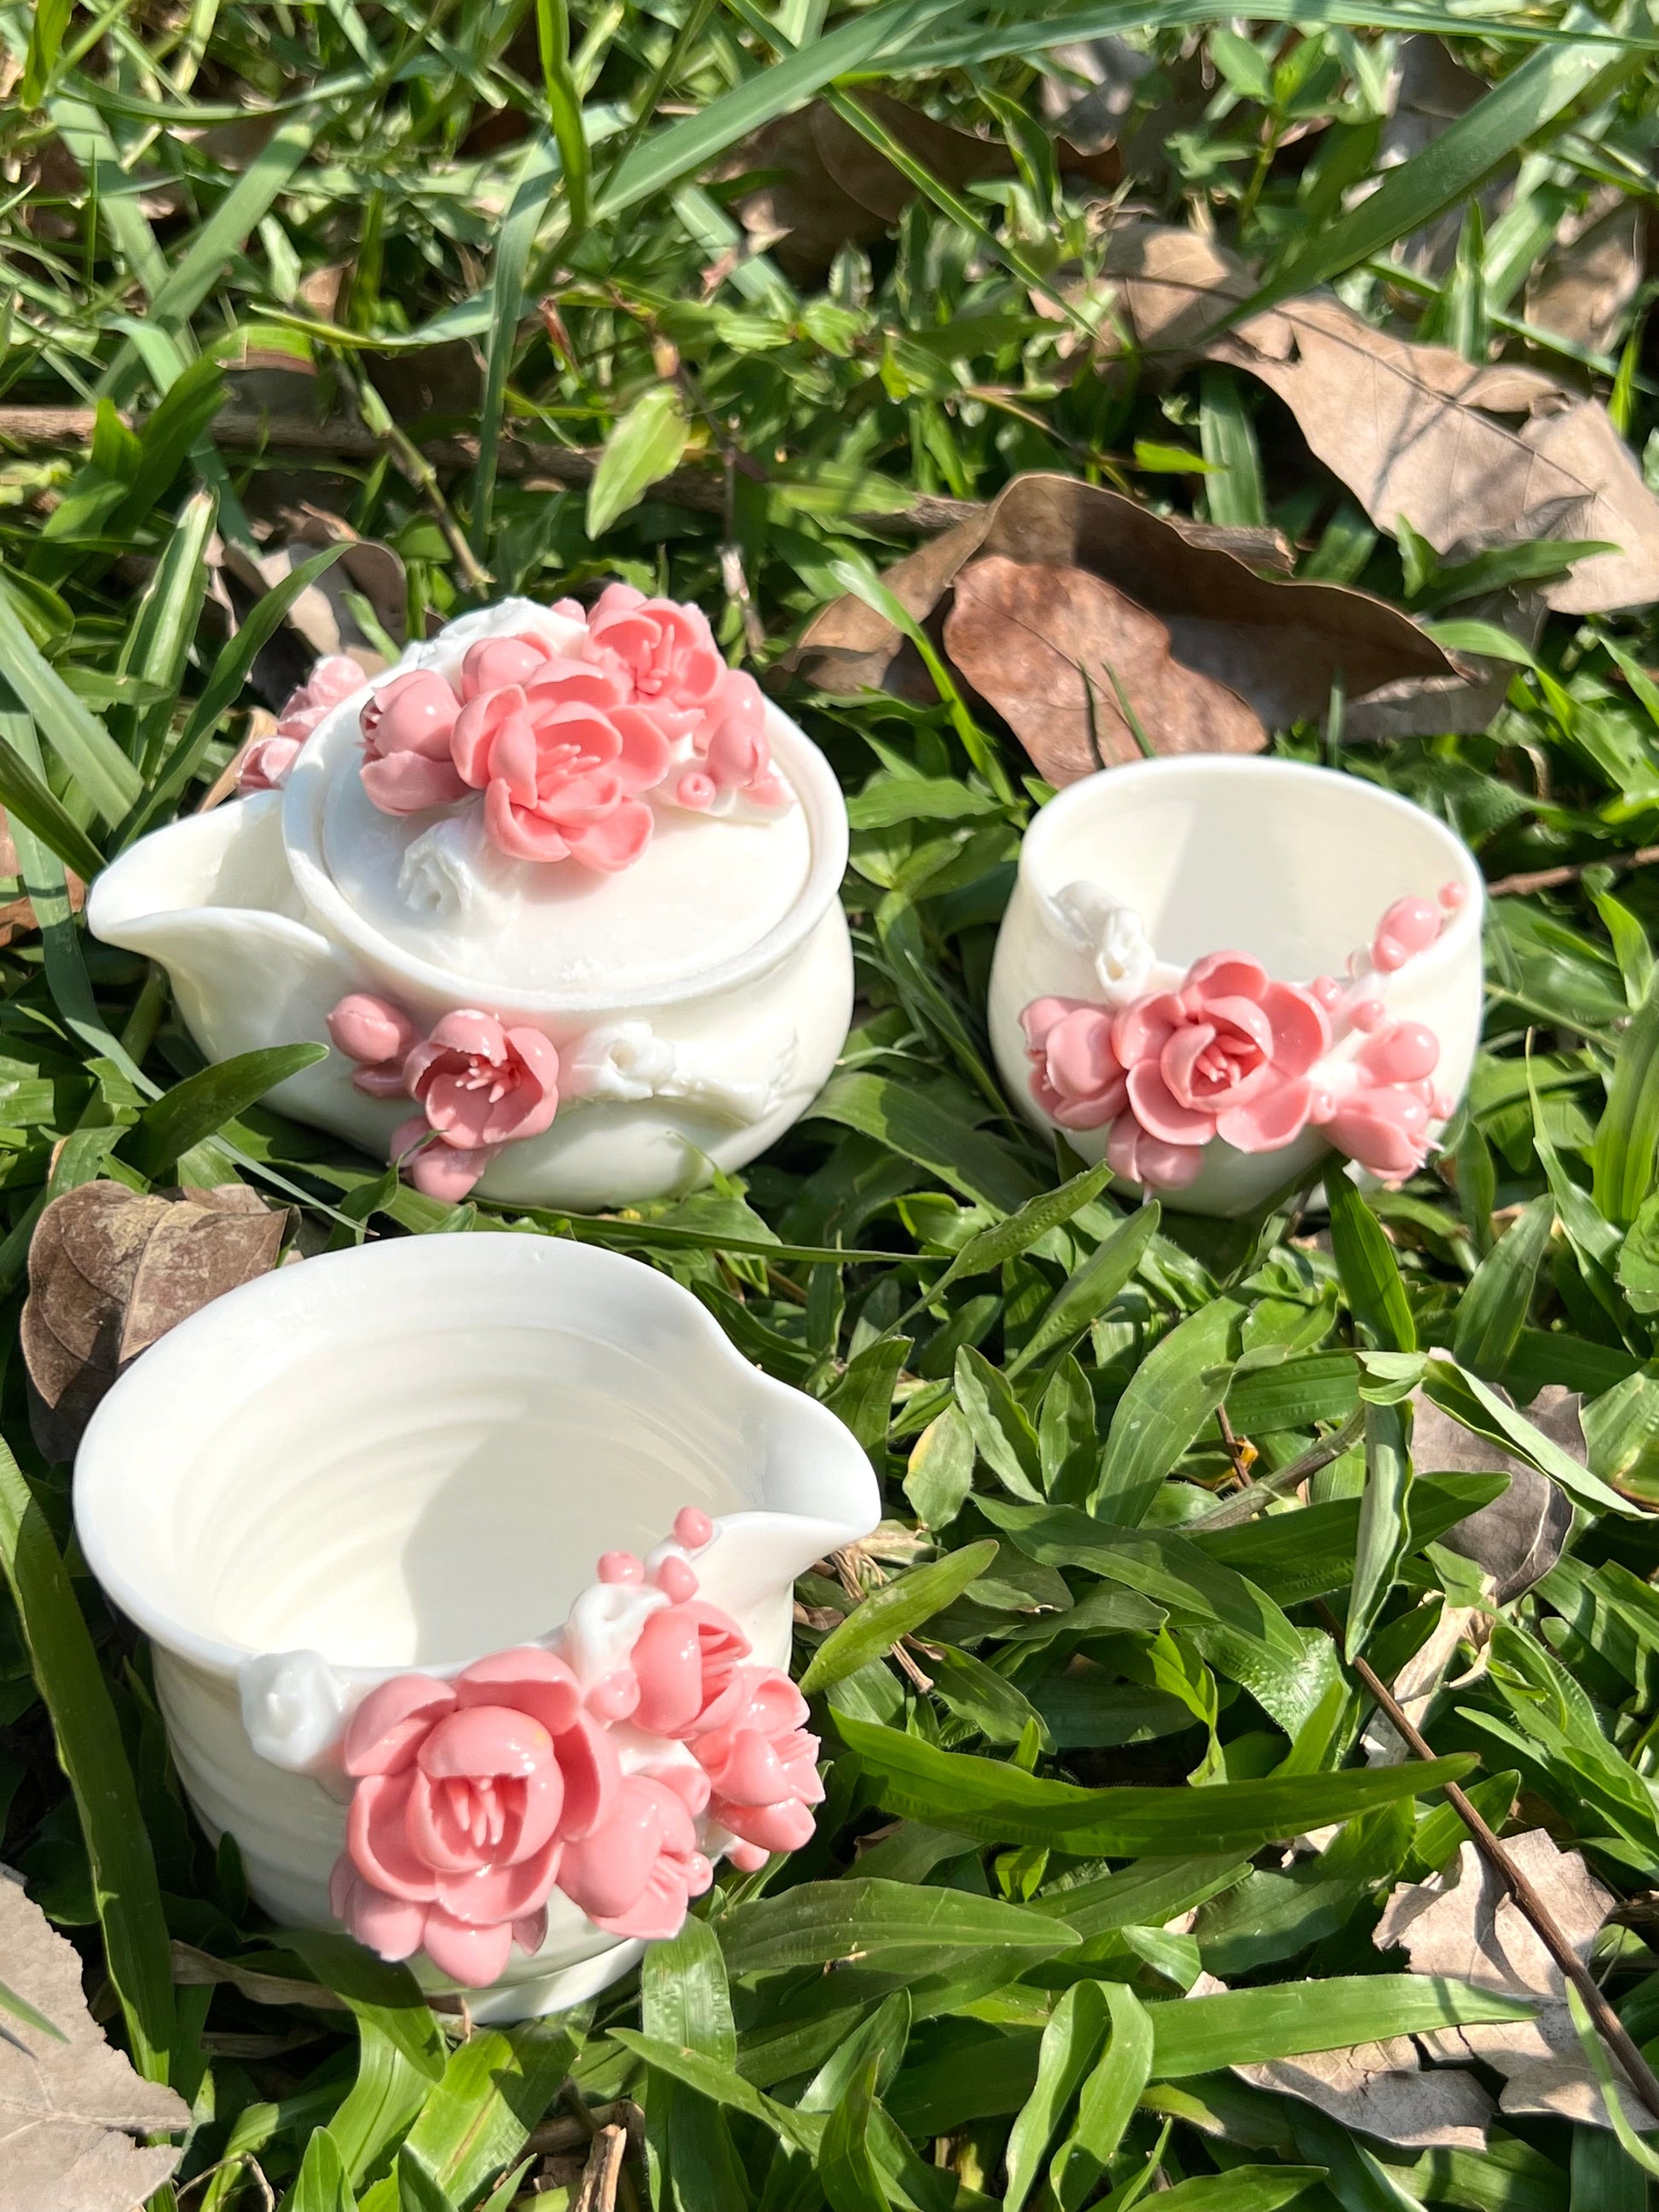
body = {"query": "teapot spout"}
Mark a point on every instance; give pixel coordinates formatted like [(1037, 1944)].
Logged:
[(211, 899)]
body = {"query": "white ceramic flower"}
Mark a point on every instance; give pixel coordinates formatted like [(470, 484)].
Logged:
[(625, 1061), (1114, 935), (293, 1707)]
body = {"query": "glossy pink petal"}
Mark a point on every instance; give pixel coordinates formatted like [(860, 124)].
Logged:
[(1161, 1113), (406, 783), (376, 1838), (386, 1081), (786, 1825), (468, 1030), (667, 1660), (1252, 1031), (521, 834), (438, 1829), (606, 1872), (499, 1892), (592, 1776), (1385, 1131), (474, 1957), (472, 739), (367, 1028), (413, 713), (484, 1740), (647, 751), (1232, 975), (1141, 1030), (531, 1933), (389, 1727), (1301, 1032), (267, 763), (1179, 1061), (1039, 1018), (618, 841), (439, 1171), (496, 661), (1406, 1052), (1270, 1122), (565, 682), (1081, 1061), (391, 1927), (1139, 1157), (536, 1681), (539, 1088)]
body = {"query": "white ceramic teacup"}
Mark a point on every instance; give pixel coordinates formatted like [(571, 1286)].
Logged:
[(1369, 908), (696, 998), (375, 1468)]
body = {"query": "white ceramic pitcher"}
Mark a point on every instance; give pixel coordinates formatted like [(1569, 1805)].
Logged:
[(408, 1456)]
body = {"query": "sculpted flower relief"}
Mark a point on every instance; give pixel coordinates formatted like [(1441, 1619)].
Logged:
[(615, 1781), (1228, 1053)]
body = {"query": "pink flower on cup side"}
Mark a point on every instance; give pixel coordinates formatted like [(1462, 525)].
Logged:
[(406, 727), (638, 1871), (1076, 1077), (1226, 1054), (561, 771), (468, 1795), (481, 1086), (761, 1763), (266, 763), (380, 1035), (684, 1660), (1384, 1120)]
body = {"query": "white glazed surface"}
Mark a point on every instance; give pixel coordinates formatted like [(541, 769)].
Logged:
[(1291, 864), (699, 999), (411, 1454)]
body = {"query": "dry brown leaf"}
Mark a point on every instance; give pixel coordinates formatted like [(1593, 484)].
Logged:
[(1471, 454), (832, 188), (1463, 1924), (1052, 648), (111, 1270), (69, 2111), (1517, 1539), (1584, 286), (1278, 646)]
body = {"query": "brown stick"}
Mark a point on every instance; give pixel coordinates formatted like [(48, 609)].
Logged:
[(1614, 2033), (1549, 880), (602, 2175)]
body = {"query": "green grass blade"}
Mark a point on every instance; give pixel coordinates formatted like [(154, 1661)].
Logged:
[(89, 1748), (102, 769)]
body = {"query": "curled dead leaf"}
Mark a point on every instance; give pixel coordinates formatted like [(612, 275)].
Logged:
[(1060, 655), (72, 2113), (1471, 453), (1464, 1924), (1518, 1538), (1278, 647), (111, 1270)]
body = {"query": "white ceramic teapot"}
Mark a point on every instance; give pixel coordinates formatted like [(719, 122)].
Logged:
[(1215, 971), (356, 1506), (560, 888)]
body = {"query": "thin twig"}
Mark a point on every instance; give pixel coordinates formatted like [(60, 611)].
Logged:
[(1613, 2032), (1245, 1504), (602, 2175), (1549, 880)]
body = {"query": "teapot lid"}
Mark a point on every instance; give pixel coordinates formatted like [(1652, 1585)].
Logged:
[(623, 817)]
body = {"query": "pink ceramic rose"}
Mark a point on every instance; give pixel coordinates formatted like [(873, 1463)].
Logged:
[(561, 772), (1076, 1076), (266, 763), (481, 1086), (761, 1762), (638, 1871), (469, 1795), (1383, 1121), (1226, 1055), (406, 726)]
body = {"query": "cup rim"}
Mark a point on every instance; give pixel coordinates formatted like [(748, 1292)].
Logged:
[(305, 795), (103, 1461), (1459, 926)]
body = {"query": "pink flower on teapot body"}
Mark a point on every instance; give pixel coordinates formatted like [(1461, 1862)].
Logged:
[(406, 726), (560, 773), (266, 763), (481, 1086), (1225, 1054), (469, 1794), (638, 1871)]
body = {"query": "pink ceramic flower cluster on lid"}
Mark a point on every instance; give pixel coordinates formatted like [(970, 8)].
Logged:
[(265, 764), (570, 749), (1231, 1053), (475, 1799)]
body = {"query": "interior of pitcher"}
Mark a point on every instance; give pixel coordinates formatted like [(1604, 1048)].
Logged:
[(393, 1477), (1292, 865)]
